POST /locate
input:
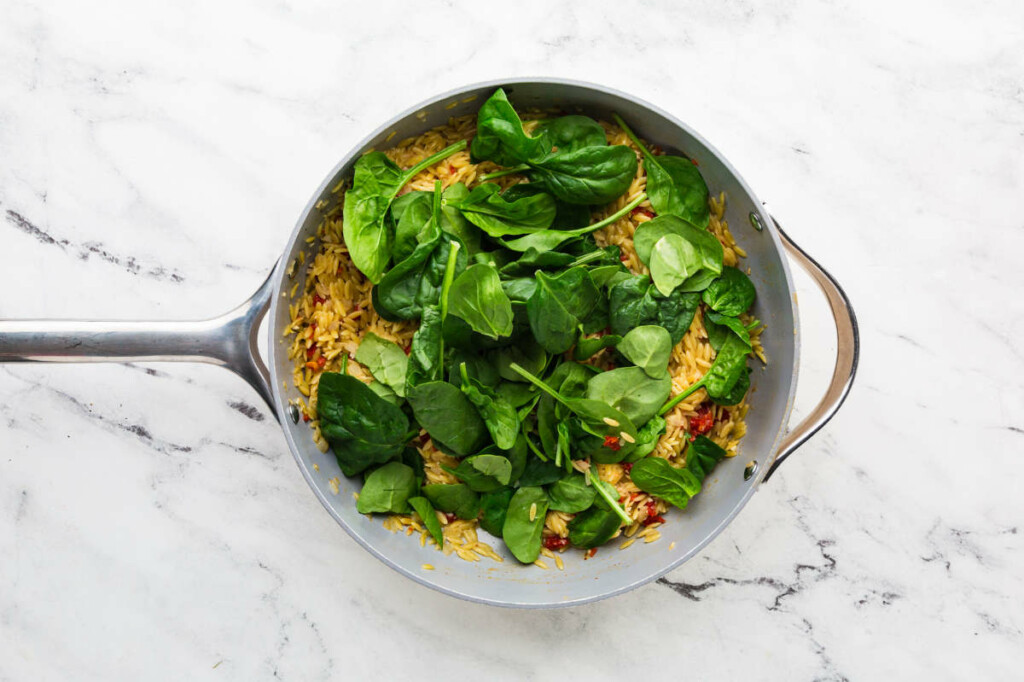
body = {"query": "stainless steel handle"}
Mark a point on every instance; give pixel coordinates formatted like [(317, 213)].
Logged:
[(847, 353), (228, 340)]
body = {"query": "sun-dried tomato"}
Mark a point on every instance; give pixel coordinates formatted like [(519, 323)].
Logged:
[(703, 421), (318, 299), (554, 542), (612, 443), (310, 352), (321, 361), (627, 467)]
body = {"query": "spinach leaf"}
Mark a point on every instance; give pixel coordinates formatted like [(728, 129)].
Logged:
[(540, 472), (517, 455), (527, 354), (635, 301), (486, 208), (524, 523), (674, 183), (362, 428), (566, 215), (649, 347), (412, 214), (647, 438), (546, 240), (593, 527), (731, 294), (448, 416), (587, 175), (425, 350), (415, 283), (479, 366), (412, 458), (557, 306), (477, 298), (735, 394), (587, 348), (534, 260), (500, 136), (722, 378), (631, 391), (483, 473), (702, 455), (387, 489), (655, 476), (608, 275), (516, 394), (673, 261), (493, 506), (614, 431), (454, 223), (571, 494), (520, 288), (499, 416), (705, 260), (569, 133), (375, 184), (719, 327), (454, 498), (386, 392), (427, 515), (385, 360)]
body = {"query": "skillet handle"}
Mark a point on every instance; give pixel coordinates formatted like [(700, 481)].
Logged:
[(228, 340), (847, 353)]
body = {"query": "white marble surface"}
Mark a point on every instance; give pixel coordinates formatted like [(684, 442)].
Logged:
[(153, 158)]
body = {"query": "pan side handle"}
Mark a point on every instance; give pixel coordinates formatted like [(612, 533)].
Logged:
[(847, 353), (228, 340)]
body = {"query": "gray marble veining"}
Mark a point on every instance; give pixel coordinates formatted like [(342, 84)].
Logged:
[(154, 157)]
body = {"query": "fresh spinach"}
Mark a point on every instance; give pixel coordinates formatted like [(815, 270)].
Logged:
[(655, 476), (387, 489), (375, 184), (386, 361), (422, 506), (649, 347), (588, 176), (493, 506), (524, 523), (593, 527), (448, 416), (631, 391), (454, 498), (499, 416), (720, 380), (571, 494), (486, 208), (635, 301), (587, 348), (362, 428), (413, 217), (540, 472), (731, 294), (500, 136), (425, 362), (415, 283), (702, 255), (477, 298), (647, 438), (566, 215), (546, 240), (719, 327), (702, 455), (483, 473), (533, 260), (674, 183), (673, 261), (558, 305), (735, 394)]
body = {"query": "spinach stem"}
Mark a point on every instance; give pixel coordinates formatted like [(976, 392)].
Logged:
[(612, 218), (606, 496), (515, 367), (431, 160), (503, 172), (586, 258), (446, 283), (632, 136), (682, 396), (533, 447)]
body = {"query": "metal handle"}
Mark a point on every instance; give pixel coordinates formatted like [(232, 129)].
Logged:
[(228, 340), (847, 353)]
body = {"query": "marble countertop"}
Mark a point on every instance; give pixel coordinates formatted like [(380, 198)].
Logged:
[(153, 159)]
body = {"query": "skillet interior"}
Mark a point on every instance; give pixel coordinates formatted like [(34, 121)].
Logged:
[(610, 571)]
